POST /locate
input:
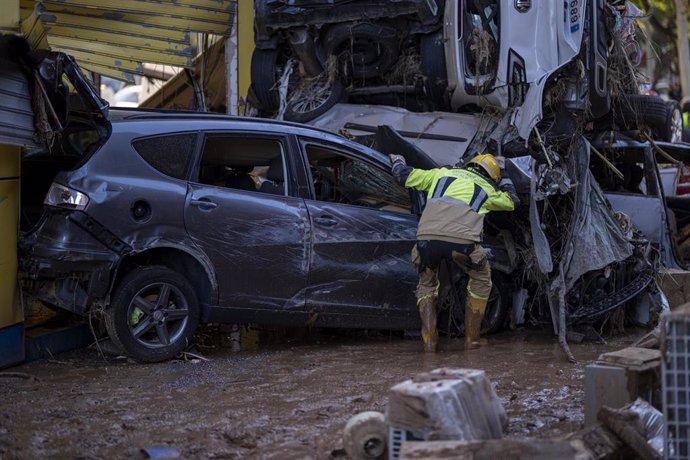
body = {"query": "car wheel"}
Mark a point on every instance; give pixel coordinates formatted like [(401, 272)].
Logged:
[(433, 56), (153, 315), (451, 316), (369, 49), (313, 97), (634, 111), (265, 80)]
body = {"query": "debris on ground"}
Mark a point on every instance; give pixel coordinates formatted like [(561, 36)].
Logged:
[(618, 378), (447, 404)]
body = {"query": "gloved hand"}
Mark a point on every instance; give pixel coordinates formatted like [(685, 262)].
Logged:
[(396, 158), (506, 185), (399, 168)]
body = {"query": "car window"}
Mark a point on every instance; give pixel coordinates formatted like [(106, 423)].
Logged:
[(255, 164), (169, 154), (340, 178)]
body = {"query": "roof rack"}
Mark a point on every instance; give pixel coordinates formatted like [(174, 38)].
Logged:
[(127, 113)]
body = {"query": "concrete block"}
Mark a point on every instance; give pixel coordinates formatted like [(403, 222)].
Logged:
[(619, 378), (447, 404)]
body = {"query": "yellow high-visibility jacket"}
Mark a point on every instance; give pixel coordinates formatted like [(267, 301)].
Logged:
[(457, 201)]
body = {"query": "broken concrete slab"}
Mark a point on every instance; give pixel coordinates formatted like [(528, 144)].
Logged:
[(494, 448), (447, 404), (619, 378), (633, 358)]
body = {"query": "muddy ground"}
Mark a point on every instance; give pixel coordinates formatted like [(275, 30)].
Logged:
[(287, 399)]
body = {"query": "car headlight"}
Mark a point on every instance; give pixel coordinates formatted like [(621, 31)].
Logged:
[(60, 196)]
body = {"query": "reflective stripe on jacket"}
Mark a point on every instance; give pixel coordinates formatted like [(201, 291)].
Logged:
[(456, 203)]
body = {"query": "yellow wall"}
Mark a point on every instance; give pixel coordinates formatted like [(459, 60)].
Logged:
[(10, 311), (245, 48)]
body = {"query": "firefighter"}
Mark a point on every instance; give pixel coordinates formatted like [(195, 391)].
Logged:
[(450, 228)]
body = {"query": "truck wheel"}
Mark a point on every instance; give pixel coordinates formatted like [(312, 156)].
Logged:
[(264, 79), (313, 97), (635, 111), (369, 49), (153, 315)]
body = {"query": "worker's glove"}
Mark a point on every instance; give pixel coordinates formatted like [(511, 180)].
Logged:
[(397, 158), (501, 162), (399, 169), (506, 185)]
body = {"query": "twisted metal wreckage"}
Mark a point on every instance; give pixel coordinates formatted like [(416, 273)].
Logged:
[(572, 132), (581, 249)]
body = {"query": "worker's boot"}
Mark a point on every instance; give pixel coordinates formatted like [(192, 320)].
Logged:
[(474, 313), (427, 312)]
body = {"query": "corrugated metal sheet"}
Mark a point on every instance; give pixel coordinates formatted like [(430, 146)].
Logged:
[(16, 115), (117, 38)]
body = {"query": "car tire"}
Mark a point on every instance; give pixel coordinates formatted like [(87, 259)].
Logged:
[(497, 308), (371, 49), (633, 111), (311, 100), (432, 51), (140, 323), (264, 79)]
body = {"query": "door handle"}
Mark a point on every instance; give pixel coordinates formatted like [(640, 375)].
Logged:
[(326, 221), (204, 203)]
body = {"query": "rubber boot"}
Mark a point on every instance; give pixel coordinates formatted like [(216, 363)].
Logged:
[(474, 313), (427, 313)]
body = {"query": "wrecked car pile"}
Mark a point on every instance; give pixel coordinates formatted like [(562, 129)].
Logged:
[(552, 86), (323, 216)]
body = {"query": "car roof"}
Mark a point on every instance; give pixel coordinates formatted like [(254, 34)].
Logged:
[(118, 114), (218, 121)]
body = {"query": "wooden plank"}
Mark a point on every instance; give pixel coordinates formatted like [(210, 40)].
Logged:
[(523, 449)]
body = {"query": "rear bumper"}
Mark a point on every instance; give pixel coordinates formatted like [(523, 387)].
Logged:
[(66, 263)]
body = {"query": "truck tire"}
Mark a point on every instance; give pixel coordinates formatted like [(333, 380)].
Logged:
[(370, 49), (635, 112), (310, 101), (264, 79)]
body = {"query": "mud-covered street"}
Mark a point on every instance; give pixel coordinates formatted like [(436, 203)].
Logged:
[(289, 399)]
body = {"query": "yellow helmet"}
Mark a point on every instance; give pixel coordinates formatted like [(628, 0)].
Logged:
[(489, 164)]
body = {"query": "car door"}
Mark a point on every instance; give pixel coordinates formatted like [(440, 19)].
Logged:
[(239, 211), (362, 235)]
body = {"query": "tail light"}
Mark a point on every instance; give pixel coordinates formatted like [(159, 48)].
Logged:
[(63, 197), (683, 187)]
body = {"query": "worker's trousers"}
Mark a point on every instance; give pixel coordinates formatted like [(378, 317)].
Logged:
[(427, 257)]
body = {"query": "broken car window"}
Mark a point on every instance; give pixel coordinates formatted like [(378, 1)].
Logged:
[(338, 178), (253, 164), (168, 154)]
